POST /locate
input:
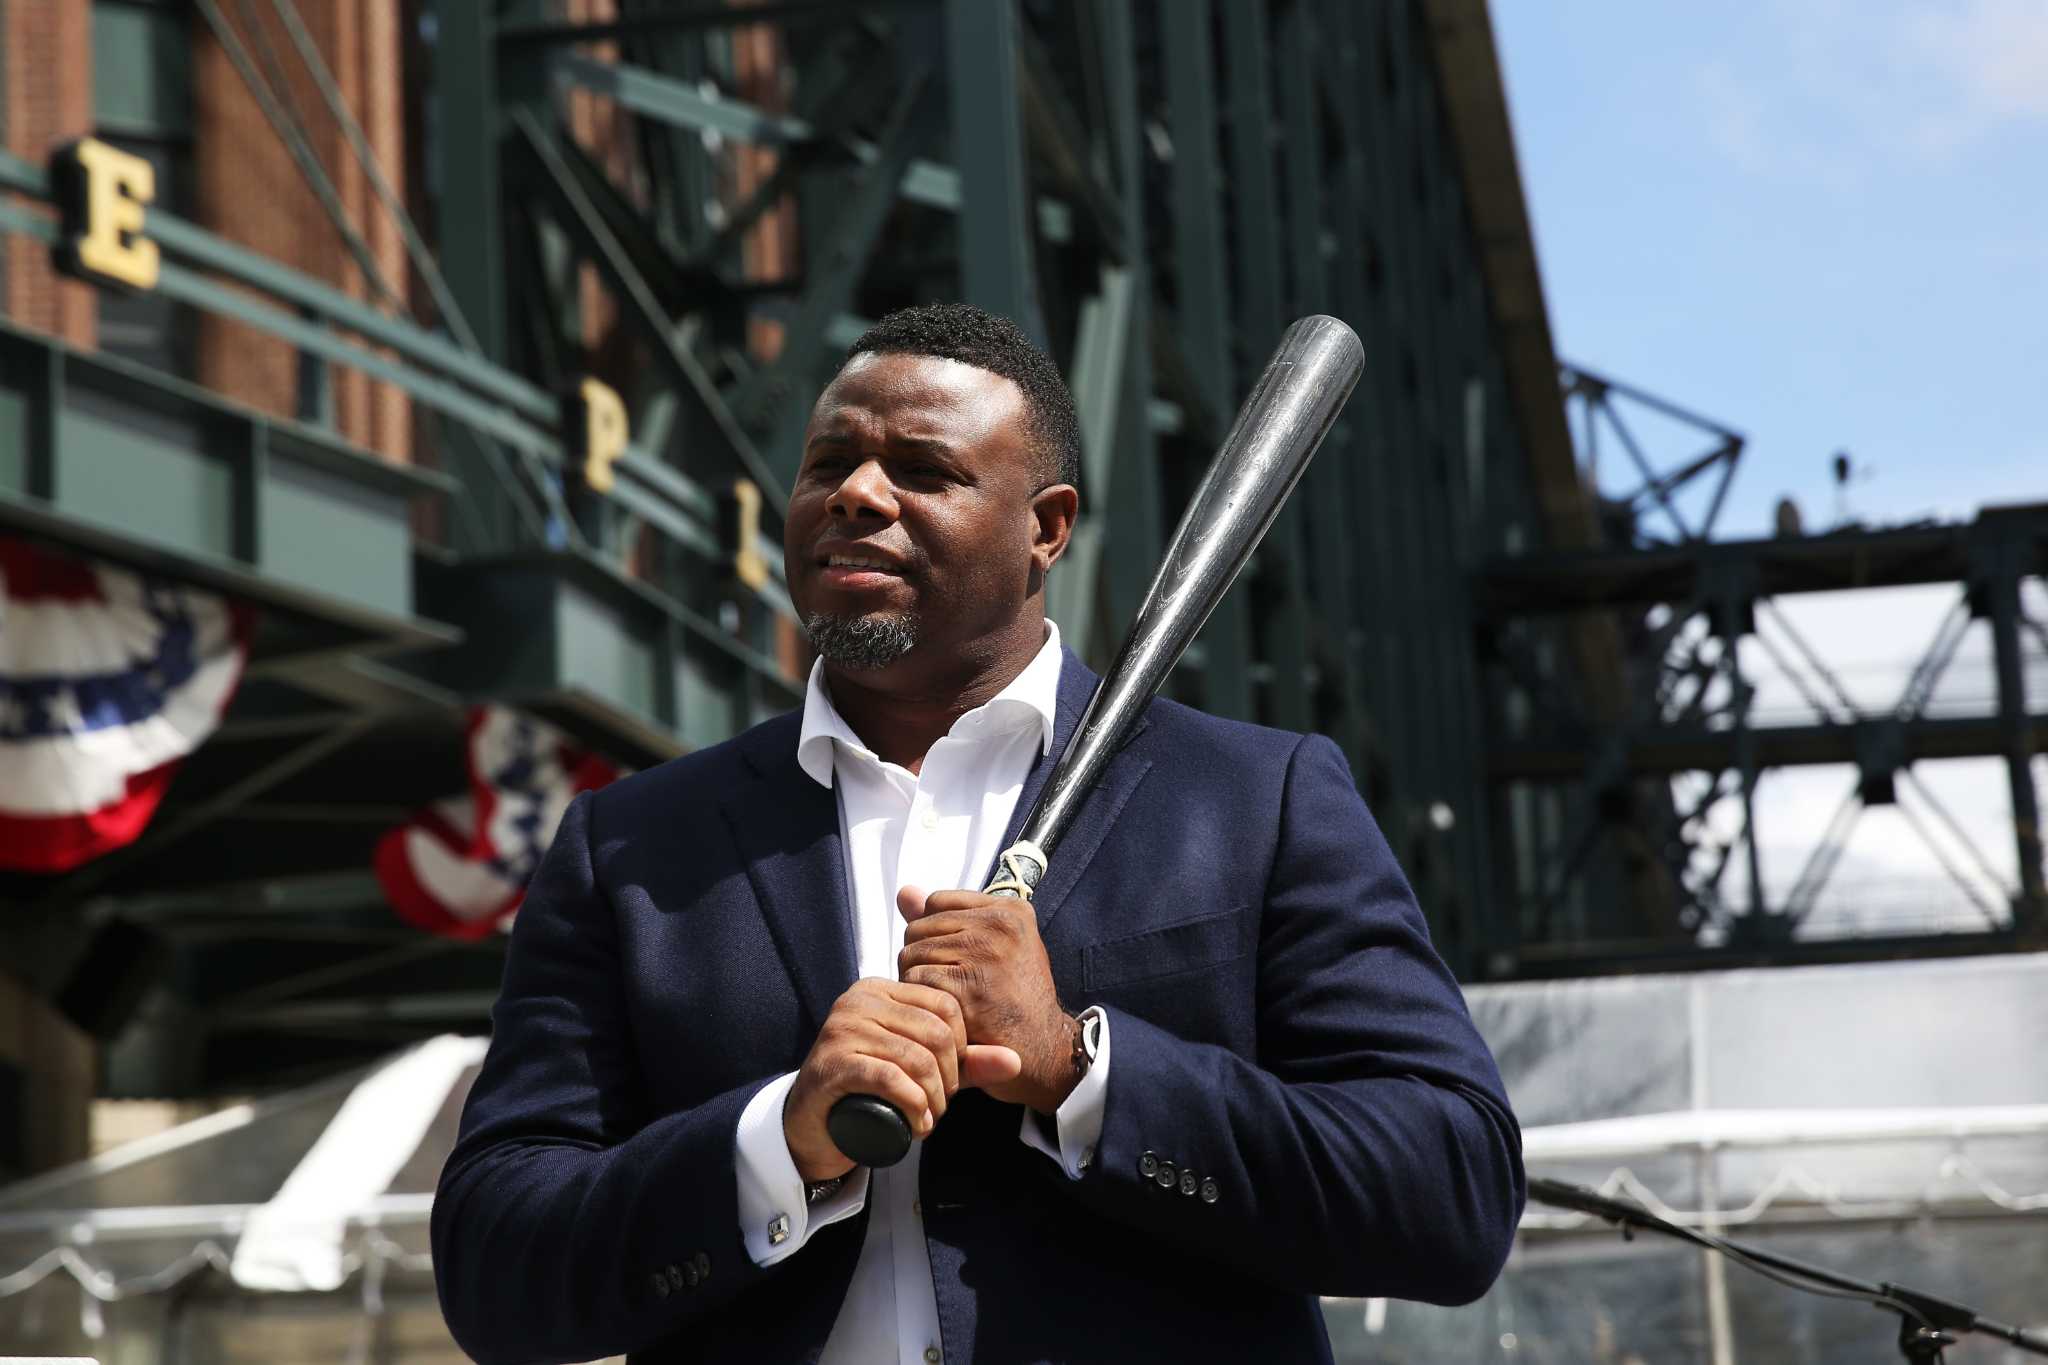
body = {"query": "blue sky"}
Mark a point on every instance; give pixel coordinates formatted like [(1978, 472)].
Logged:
[(1823, 223)]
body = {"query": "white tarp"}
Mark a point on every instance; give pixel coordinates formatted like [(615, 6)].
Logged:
[(296, 1240), (1889, 1120)]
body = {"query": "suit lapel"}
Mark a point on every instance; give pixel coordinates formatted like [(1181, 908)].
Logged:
[(787, 829), (1098, 811)]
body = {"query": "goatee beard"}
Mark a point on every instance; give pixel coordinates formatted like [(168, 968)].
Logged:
[(862, 642)]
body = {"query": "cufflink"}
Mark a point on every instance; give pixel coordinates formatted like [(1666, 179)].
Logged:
[(778, 1229)]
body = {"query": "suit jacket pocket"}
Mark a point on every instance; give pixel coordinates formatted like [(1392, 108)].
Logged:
[(1192, 945)]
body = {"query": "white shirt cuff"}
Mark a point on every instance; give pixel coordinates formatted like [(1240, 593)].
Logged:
[(1079, 1117), (775, 1221)]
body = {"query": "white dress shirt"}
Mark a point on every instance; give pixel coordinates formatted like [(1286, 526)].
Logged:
[(938, 828)]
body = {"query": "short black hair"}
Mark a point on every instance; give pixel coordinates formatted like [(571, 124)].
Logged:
[(989, 341)]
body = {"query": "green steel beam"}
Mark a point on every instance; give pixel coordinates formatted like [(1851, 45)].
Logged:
[(205, 250), (1060, 142), (1339, 76), (1202, 286), (2017, 743), (659, 97), (673, 282), (577, 215), (1450, 723), (1132, 506), (663, 496), (1102, 347), (470, 210), (1406, 688), (774, 401), (714, 15), (1325, 495), (997, 267), (1255, 200), (1563, 755), (123, 461)]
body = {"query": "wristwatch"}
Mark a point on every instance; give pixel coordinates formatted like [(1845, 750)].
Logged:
[(1087, 1040)]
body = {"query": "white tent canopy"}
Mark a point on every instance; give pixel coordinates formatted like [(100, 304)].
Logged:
[(1887, 1119), (322, 1189)]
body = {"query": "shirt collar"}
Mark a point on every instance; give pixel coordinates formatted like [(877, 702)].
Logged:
[(1032, 696)]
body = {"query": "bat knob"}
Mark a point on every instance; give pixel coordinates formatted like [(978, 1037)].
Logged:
[(868, 1131)]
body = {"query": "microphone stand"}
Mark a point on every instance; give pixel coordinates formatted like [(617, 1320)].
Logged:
[(1927, 1323)]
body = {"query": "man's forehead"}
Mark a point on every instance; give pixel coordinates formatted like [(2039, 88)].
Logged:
[(901, 384)]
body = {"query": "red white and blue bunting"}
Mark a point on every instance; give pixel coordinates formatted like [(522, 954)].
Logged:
[(107, 679), (459, 867)]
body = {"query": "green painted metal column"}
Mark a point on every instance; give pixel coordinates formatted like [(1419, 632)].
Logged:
[(996, 260), (1325, 494), (2002, 586), (472, 250), (1133, 504), (1201, 276), (1261, 299)]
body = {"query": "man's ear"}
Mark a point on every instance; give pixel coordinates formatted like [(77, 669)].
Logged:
[(1053, 510)]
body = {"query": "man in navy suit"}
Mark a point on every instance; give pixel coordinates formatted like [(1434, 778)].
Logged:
[(1212, 1070)]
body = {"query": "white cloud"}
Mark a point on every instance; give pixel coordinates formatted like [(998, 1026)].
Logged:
[(1993, 53), (1833, 90)]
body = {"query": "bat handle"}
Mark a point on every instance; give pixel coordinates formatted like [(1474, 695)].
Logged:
[(870, 1131)]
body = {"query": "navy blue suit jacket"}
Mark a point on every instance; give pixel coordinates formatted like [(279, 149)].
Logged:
[(1280, 1024)]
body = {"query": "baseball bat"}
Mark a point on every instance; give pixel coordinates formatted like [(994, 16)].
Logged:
[(1278, 429)]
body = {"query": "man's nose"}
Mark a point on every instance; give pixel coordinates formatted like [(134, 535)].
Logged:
[(865, 492)]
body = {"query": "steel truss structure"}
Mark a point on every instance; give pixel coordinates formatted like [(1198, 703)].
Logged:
[(1639, 862)]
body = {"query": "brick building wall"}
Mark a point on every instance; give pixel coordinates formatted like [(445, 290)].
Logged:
[(250, 191), (48, 84)]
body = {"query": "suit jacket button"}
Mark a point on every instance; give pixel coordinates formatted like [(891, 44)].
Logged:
[(1166, 1175), (1211, 1191), (1148, 1165), (702, 1265), (660, 1285), (1187, 1182), (690, 1276), (675, 1278)]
